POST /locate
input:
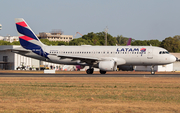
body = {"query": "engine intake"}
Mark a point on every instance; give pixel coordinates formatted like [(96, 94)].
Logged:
[(107, 65)]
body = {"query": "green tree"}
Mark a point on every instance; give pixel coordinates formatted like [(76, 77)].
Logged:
[(62, 43), (78, 41), (99, 38), (171, 44), (139, 43), (154, 42), (146, 42), (2, 42), (46, 42), (121, 40), (15, 43)]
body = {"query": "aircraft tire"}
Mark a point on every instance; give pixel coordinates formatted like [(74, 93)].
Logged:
[(152, 72), (89, 71), (102, 72)]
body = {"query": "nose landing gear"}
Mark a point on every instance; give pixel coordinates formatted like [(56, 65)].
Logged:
[(152, 70)]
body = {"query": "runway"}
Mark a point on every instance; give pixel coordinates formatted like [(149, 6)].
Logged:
[(88, 75)]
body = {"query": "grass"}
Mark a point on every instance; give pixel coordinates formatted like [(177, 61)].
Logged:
[(92, 95)]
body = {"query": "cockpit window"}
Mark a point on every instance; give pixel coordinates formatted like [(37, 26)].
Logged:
[(163, 52)]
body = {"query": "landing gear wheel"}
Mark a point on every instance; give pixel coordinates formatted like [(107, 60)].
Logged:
[(102, 72), (89, 71), (152, 70)]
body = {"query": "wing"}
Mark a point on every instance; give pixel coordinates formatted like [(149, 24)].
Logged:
[(77, 57), (91, 60), (86, 59)]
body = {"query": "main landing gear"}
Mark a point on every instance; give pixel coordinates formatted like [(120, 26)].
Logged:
[(152, 70), (102, 72), (90, 71)]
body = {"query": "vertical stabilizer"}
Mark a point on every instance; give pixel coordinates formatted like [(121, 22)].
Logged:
[(129, 42), (28, 39)]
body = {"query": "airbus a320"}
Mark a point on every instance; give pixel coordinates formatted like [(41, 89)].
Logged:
[(106, 58)]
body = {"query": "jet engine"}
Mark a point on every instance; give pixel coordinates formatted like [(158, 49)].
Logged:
[(107, 65)]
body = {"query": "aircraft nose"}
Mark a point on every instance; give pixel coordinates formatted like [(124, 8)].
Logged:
[(172, 58)]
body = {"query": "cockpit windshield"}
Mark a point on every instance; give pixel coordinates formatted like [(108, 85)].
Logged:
[(163, 52)]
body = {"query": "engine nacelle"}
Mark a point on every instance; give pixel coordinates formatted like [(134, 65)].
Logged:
[(107, 65)]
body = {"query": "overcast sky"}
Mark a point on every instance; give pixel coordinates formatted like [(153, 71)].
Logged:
[(138, 19)]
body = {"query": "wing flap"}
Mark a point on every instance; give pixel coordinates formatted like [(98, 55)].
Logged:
[(120, 61), (78, 57)]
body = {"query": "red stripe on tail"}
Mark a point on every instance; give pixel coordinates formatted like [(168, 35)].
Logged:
[(26, 38), (22, 24)]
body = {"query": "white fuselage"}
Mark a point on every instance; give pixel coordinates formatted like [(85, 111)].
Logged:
[(131, 54)]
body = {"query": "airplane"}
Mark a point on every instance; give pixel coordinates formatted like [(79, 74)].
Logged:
[(106, 58)]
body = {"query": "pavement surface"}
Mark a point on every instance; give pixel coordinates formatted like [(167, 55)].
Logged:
[(13, 73)]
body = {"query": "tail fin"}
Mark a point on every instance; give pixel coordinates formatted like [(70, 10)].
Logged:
[(27, 37), (129, 42)]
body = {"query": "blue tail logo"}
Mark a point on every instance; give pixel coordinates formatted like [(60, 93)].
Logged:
[(28, 39)]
